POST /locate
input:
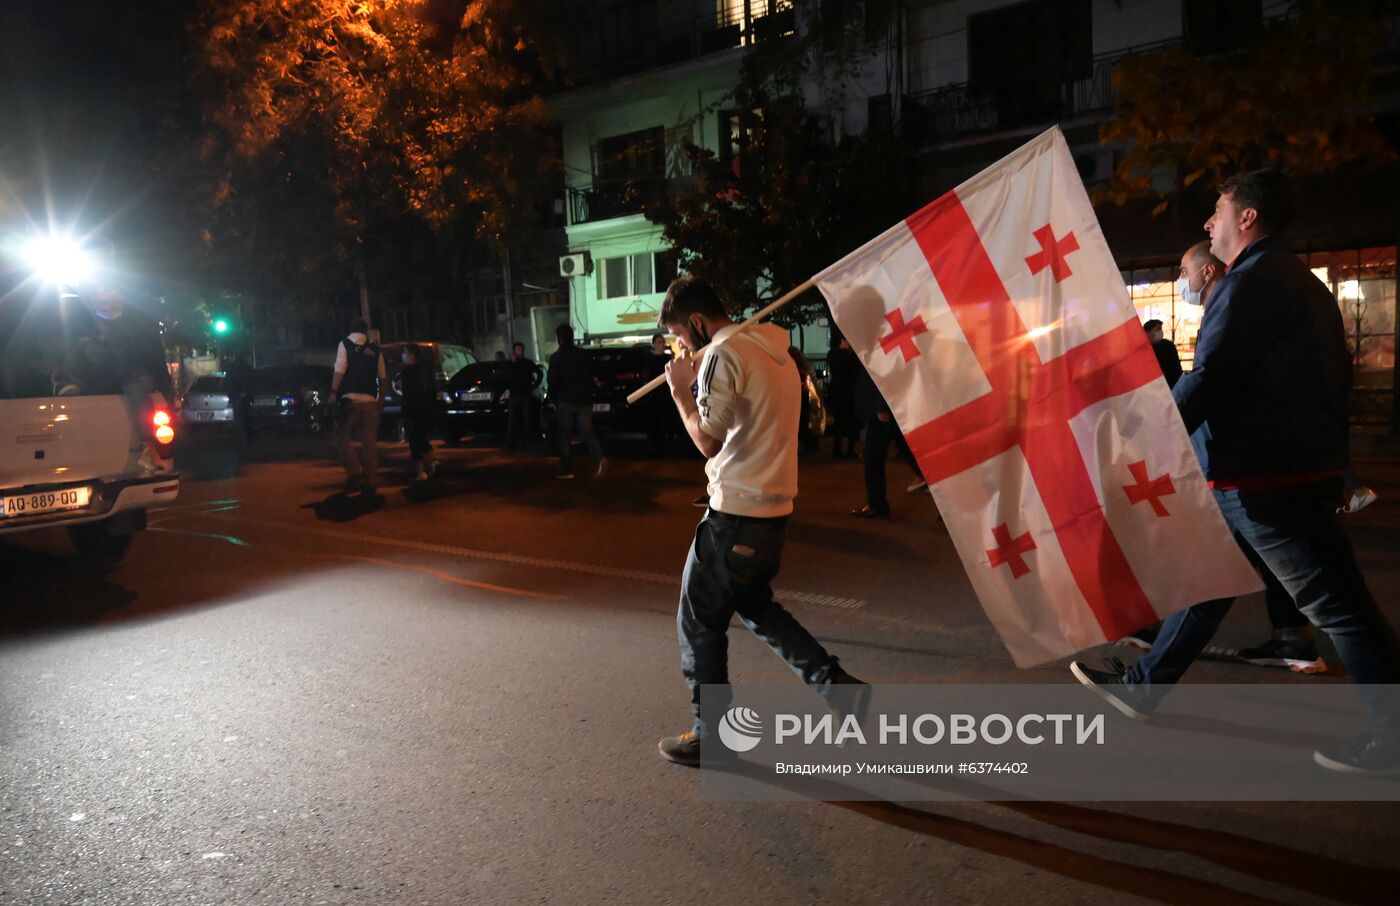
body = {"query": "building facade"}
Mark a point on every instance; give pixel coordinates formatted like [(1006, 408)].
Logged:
[(966, 81)]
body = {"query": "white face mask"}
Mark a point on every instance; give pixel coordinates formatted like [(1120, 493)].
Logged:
[(1188, 295)]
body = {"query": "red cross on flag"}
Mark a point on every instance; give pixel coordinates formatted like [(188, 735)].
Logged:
[(998, 328)]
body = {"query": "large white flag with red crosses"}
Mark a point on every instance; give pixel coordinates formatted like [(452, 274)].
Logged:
[(998, 328)]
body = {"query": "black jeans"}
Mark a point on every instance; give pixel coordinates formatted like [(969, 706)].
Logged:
[(878, 436), (731, 562), (518, 421)]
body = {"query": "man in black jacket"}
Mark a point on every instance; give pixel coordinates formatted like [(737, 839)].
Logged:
[(1168, 359), (522, 377), (1270, 383), (571, 391)]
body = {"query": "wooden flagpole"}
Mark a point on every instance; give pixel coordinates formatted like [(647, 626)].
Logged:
[(757, 316)]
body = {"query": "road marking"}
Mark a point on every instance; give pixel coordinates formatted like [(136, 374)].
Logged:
[(456, 580), (425, 570), (235, 541), (524, 560)]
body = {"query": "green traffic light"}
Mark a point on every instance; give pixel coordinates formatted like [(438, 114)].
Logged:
[(221, 326)]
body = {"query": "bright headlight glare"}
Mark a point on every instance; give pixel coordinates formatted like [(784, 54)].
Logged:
[(59, 260)]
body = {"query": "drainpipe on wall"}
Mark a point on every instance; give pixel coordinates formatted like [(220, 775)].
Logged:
[(510, 298)]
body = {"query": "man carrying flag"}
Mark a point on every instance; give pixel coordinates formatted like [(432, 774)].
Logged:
[(744, 421), (1270, 383), (996, 324)]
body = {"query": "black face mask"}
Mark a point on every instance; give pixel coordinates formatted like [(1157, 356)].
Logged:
[(701, 334)]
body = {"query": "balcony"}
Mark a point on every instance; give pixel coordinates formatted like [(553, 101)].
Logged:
[(619, 198), (959, 111)]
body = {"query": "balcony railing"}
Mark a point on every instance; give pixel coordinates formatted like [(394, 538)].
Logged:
[(604, 201)]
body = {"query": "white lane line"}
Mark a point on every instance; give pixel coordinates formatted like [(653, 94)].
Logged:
[(670, 579)]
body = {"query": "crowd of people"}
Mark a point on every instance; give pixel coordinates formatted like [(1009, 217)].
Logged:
[(1264, 403)]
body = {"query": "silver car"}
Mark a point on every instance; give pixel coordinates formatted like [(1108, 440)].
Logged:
[(211, 400)]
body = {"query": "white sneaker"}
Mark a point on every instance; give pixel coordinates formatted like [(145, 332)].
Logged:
[(1363, 498), (917, 486)]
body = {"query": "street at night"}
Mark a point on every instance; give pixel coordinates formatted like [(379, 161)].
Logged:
[(458, 700), (699, 452)]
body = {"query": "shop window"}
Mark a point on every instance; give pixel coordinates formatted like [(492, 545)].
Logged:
[(1363, 282), (1153, 293)]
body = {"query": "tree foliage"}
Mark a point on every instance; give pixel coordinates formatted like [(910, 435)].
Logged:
[(1294, 98), (796, 198), (326, 118)]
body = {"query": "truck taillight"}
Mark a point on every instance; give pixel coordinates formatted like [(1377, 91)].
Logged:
[(160, 420)]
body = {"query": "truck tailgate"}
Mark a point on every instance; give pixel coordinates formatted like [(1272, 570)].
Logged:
[(56, 439)]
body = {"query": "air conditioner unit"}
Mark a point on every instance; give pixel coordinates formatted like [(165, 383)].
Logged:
[(575, 264)]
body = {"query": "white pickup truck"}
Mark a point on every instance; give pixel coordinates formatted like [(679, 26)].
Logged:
[(93, 461), (69, 460)]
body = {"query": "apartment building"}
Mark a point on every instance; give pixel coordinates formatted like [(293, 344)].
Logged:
[(966, 81)]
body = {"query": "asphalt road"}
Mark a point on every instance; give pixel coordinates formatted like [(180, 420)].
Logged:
[(457, 700)]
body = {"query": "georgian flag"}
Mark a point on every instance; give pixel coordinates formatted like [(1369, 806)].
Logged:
[(998, 328)]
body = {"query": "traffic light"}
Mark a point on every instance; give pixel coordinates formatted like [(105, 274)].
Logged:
[(221, 326)]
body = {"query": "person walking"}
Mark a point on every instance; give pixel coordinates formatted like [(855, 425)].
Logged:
[(880, 431), (1270, 381), (743, 420), (418, 394), (571, 390), (843, 376), (356, 390)]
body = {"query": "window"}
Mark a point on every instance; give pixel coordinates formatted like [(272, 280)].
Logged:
[(1022, 55), (635, 155), (1153, 292), (736, 129), (879, 111), (635, 275), (1363, 280)]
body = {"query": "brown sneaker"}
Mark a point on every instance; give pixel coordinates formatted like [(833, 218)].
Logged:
[(683, 749)]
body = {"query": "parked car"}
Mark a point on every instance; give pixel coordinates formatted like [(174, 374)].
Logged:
[(211, 400), (290, 394), (477, 400), (71, 454)]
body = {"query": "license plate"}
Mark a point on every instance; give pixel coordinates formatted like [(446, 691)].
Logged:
[(265, 401), (13, 505), (602, 407), (204, 416), (476, 397)]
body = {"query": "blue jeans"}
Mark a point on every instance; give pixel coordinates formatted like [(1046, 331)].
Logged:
[(1296, 535), (731, 562), (567, 416)]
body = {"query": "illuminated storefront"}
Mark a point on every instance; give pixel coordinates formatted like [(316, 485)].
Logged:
[(1364, 284)]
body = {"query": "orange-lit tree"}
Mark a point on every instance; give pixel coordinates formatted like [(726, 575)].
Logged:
[(325, 117)]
